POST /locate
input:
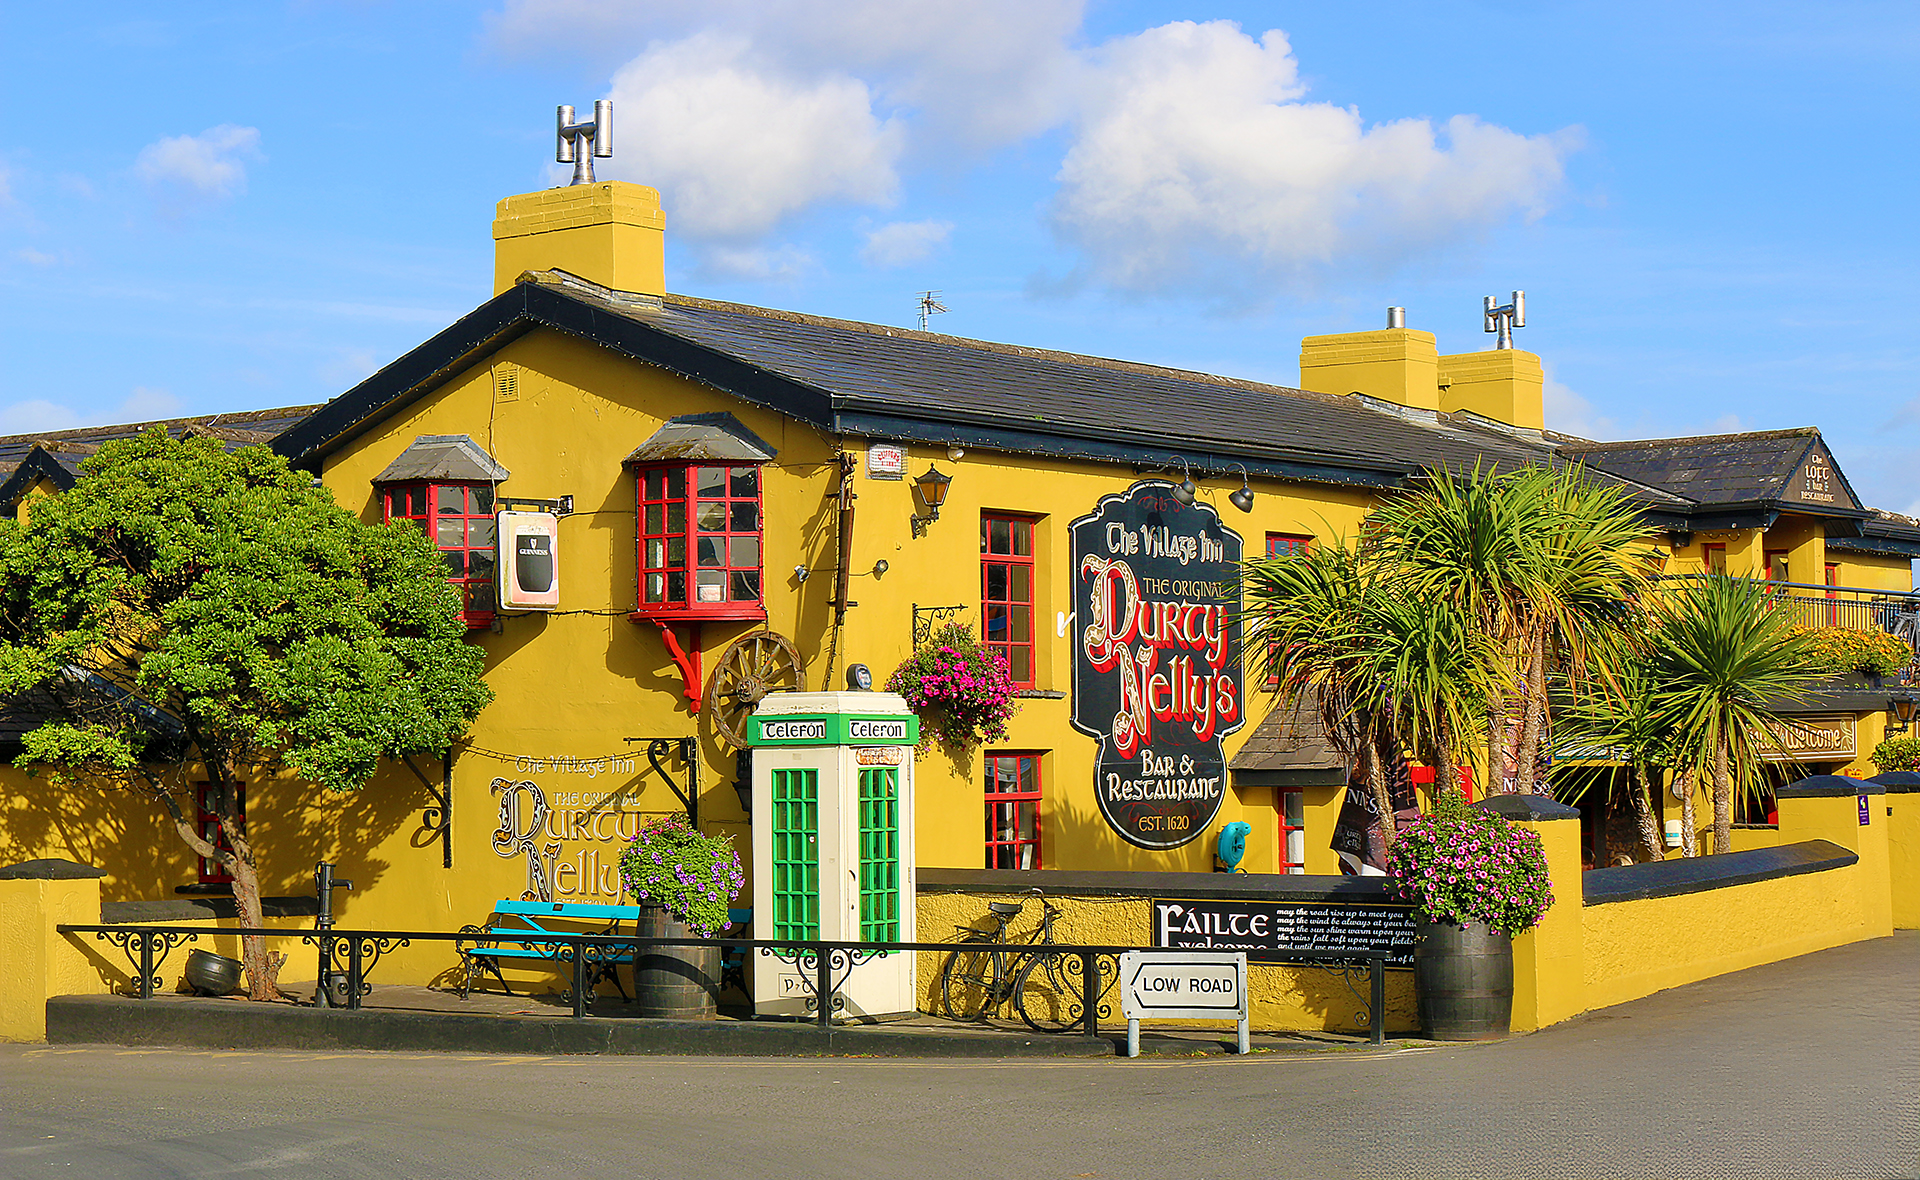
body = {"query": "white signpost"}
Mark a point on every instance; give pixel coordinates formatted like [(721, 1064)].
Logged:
[(1183, 985)]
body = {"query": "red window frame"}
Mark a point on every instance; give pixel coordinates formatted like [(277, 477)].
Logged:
[(700, 541), (458, 518), (1832, 579), (1007, 578), (1707, 554), (1013, 791), (1288, 545), (1289, 829), (207, 822), (1779, 555)]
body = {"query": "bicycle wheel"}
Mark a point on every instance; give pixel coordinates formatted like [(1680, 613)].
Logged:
[(1046, 994), (966, 984)]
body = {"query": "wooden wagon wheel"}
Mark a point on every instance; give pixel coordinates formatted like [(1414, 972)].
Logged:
[(751, 667)]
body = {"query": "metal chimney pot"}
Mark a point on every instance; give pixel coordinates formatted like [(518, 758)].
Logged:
[(1396, 317)]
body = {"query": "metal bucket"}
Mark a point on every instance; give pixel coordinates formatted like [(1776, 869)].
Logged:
[(1463, 976), (674, 982), (209, 974)]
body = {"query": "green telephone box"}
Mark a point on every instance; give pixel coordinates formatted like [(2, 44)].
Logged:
[(833, 846)]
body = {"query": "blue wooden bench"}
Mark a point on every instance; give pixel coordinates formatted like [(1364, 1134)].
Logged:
[(512, 933)]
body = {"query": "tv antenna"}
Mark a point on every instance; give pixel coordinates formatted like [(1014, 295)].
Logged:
[(1504, 318), (929, 306), (578, 143)]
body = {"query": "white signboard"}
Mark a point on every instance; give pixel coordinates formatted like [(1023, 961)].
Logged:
[(1182, 985), (886, 461), (528, 562)]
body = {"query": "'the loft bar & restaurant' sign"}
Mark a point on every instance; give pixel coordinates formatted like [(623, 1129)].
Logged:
[(1156, 660)]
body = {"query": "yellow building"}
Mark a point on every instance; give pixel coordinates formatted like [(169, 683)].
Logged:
[(750, 498)]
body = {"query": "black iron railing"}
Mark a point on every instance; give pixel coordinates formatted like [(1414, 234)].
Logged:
[(347, 956)]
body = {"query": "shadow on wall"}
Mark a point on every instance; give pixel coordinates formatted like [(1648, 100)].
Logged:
[(132, 838)]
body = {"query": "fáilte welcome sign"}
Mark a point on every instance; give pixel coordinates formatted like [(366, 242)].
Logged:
[(1156, 659)]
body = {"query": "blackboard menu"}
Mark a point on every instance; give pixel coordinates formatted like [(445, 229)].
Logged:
[(1265, 929)]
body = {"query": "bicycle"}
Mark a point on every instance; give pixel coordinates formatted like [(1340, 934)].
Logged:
[(975, 983)]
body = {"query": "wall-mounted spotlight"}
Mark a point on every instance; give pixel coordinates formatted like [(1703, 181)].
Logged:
[(1242, 499), (954, 453), (801, 573), (880, 567), (1184, 491), (932, 487)]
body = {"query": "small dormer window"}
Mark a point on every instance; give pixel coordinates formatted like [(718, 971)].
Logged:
[(444, 485), (698, 490)]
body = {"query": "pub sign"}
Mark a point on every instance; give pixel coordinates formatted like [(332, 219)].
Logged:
[(1156, 659)]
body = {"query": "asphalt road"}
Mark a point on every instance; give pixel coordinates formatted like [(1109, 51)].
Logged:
[(1805, 1068)]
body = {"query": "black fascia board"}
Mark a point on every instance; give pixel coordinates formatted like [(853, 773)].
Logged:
[(513, 313), (1144, 453), (1879, 546), (37, 465)]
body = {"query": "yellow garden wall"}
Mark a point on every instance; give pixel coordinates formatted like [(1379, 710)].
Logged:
[(1902, 810), (1282, 996), (1636, 948), (39, 962)]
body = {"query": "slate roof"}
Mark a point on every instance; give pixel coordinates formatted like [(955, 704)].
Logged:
[(1289, 738), (871, 380), (57, 454), (445, 457), (1711, 469)]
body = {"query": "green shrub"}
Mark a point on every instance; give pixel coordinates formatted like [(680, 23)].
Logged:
[(1902, 753), (1839, 650)]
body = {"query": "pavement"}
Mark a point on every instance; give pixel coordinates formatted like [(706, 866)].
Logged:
[(400, 1018), (1805, 1068)]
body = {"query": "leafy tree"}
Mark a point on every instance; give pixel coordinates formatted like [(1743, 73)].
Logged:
[(1722, 659), (190, 613)]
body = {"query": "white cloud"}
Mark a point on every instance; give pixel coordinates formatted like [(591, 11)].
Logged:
[(32, 257), (899, 243), (776, 264), (1194, 159), (1195, 162), (1570, 413), (39, 416), (978, 74), (736, 143), (198, 169)]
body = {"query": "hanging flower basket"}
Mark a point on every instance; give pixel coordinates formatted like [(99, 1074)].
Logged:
[(961, 689)]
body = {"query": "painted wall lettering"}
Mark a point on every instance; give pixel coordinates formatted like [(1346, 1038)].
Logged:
[(1156, 670)]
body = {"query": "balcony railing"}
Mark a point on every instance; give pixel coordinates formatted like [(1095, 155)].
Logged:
[(1854, 608)]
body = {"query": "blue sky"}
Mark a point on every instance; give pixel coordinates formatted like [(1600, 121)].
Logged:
[(1709, 205)]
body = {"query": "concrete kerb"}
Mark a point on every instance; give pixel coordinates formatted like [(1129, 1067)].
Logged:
[(178, 1021)]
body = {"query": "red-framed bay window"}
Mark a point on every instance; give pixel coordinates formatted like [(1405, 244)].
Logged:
[(1013, 811), (1006, 591), (700, 541), (458, 518), (1288, 545)]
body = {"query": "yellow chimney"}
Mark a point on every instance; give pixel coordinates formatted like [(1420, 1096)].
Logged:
[(609, 232), (1504, 385), (1394, 364)]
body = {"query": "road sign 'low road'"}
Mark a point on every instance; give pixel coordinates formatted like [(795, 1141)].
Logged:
[(1183, 985)]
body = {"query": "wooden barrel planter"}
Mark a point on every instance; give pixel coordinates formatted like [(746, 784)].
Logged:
[(674, 982), (1463, 977)]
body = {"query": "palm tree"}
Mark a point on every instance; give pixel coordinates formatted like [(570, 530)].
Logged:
[(1721, 660), (1435, 667), (1306, 619), (1614, 712), (1540, 559)]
